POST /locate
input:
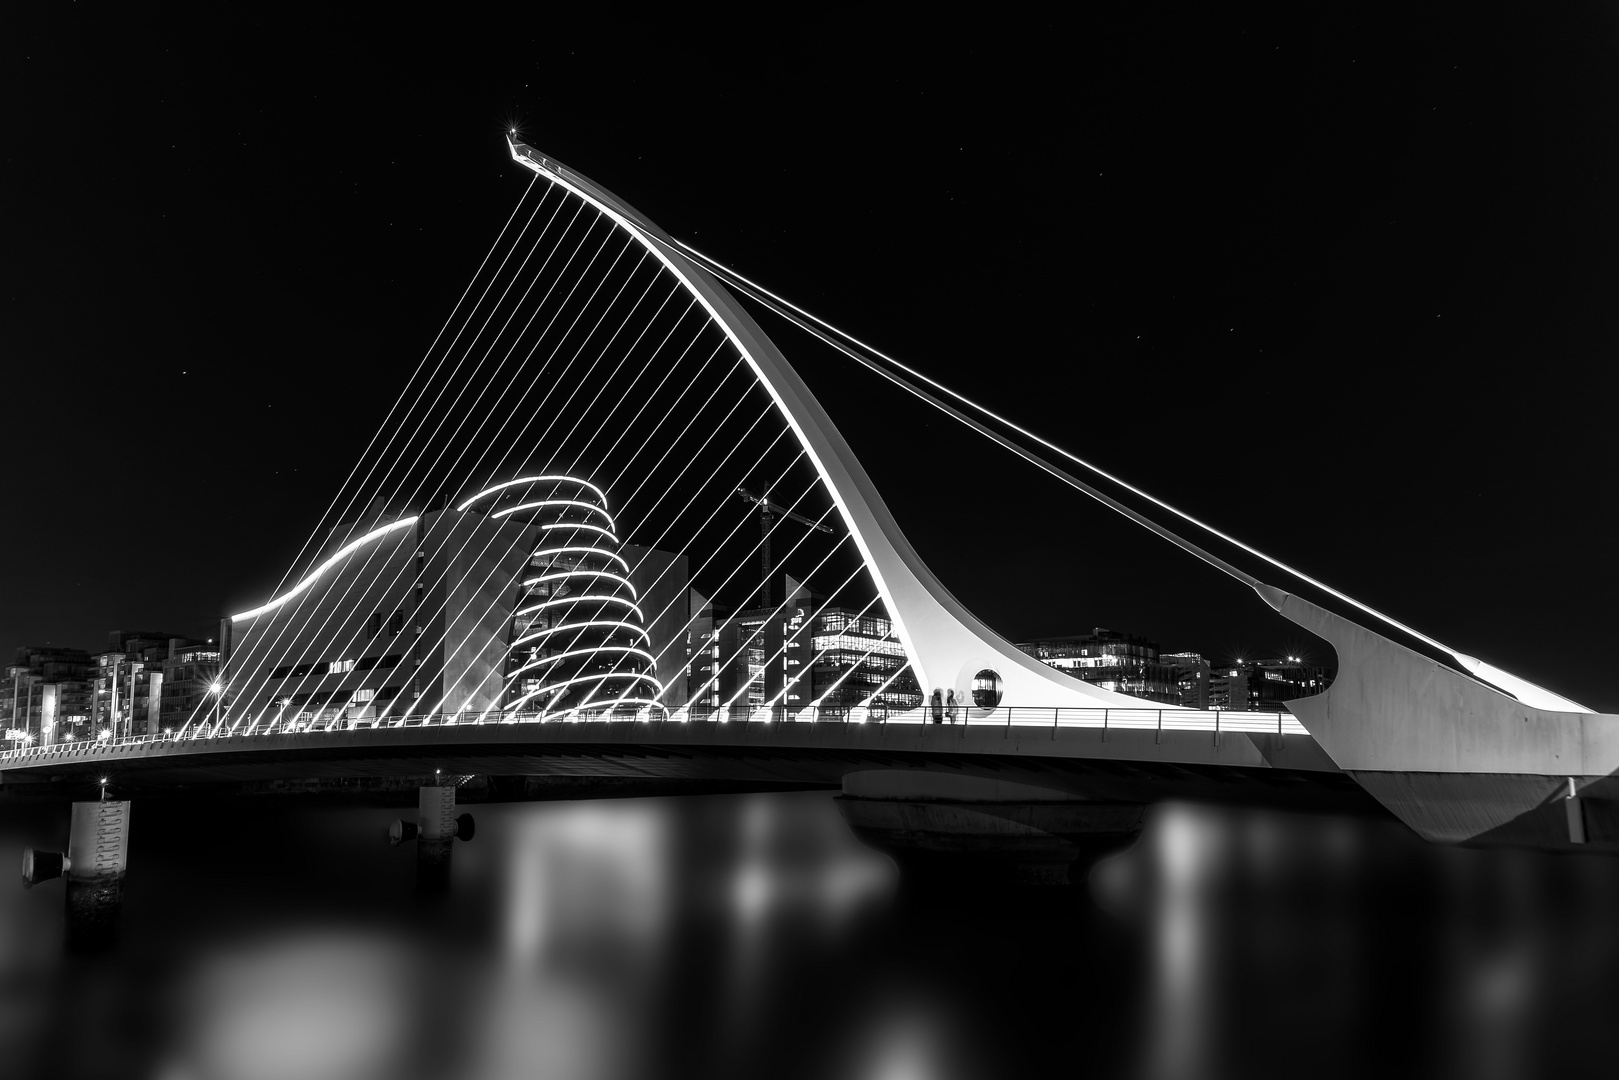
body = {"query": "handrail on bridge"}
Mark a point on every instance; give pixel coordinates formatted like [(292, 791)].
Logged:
[(1106, 720)]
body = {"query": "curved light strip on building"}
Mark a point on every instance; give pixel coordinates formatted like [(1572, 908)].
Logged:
[(583, 551), (538, 634), (603, 676), (344, 552), (520, 702), (586, 647), (544, 660), (576, 525), (543, 578), (556, 502), (533, 480), (569, 601)]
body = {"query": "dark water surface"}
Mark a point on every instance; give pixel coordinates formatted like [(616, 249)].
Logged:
[(743, 936)]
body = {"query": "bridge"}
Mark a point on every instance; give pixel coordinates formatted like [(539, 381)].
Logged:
[(484, 598)]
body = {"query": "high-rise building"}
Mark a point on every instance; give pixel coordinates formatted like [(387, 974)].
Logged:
[(1192, 678), (1266, 685), (189, 673), (800, 653), (128, 692), (46, 696), (858, 659)]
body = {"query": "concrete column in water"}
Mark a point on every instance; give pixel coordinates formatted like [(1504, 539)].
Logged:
[(97, 856), (435, 808), (435, 831)]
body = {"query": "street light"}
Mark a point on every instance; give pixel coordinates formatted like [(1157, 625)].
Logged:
[(217, 689)]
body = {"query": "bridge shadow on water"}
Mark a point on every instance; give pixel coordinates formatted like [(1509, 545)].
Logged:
[(750, 935)]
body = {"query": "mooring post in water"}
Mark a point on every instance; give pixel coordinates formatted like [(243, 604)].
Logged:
[(435, 831), (93, 865)]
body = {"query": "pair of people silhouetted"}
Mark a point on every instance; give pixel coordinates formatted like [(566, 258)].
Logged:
[(944, 706)]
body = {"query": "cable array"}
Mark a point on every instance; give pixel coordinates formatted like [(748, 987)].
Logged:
[(480, 568)]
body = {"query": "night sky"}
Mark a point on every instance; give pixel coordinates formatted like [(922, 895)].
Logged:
[(1342, 283)]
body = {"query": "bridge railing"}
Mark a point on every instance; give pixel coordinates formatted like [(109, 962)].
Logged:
[(1217, 722)]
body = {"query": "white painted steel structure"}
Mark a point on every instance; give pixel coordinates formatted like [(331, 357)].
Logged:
[(946, 644)]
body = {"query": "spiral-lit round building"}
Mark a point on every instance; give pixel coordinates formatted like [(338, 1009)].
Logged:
[(578, 637)]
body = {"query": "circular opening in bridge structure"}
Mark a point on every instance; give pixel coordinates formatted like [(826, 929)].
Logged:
[(987, 689)]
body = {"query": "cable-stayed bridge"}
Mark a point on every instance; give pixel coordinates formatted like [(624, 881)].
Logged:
[(541, 565)]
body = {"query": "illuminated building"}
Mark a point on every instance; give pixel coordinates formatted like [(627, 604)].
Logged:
[(794, 655), (578, 634), (128, 690), (1264, 685), (857, 659), (189, 671), (516, 599), (1193, 673), (45, 697), (1127, 664)]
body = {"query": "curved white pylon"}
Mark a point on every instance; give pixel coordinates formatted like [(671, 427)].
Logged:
[(946, 644)]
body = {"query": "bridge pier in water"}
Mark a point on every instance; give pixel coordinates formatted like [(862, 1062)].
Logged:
[(435, 831), (92, 870), (945, 825)]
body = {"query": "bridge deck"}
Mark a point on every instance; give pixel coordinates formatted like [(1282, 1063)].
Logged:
[(1138, 763)]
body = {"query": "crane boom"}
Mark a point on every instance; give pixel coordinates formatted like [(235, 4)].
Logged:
[(778, 510), (768, 513)]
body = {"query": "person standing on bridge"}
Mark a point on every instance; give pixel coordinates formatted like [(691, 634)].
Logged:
[(938, 706), (950, 705)]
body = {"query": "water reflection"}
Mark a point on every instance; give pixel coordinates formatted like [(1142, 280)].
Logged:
[(746, 936)]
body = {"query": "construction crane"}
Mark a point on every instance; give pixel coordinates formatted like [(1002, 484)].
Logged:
[(768, 513)]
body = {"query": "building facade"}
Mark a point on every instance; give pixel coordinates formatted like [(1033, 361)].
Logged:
[(798, 654), (190, 672), (128, 692), (1127, 664), (1266, 685), (46, 696), (517, 599)]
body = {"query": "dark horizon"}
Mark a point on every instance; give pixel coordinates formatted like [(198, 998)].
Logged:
[(1333, 283)]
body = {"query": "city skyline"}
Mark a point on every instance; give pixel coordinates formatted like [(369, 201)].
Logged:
[(1334, 422)]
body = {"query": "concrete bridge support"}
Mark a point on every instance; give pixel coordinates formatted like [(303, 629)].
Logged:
[(936, 824), (93, 868), (435, 831)]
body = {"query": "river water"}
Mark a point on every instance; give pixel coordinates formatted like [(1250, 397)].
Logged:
[(751, 936)]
